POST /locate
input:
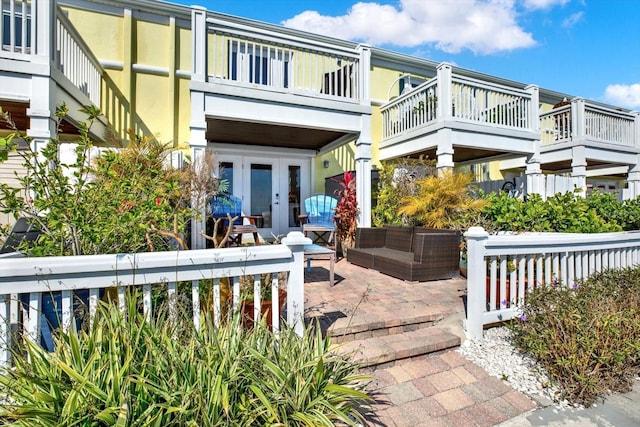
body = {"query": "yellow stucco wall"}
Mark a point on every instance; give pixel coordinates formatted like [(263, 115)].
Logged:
[(154, 101), (384, 83), (101, 32), (153, 46)]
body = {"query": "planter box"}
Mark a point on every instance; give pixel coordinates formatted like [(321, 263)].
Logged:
[(265, 310)]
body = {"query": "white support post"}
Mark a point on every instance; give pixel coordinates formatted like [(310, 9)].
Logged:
[(364, 74), (363, 172), (633, 180), (476, 281), (579, 168), (295, 240), (535, 178), (198, 144), (636, 129), (534, 114), (577, 119), (444, 112), (45, 31), (444, 152), (199, 41), (363, 143)]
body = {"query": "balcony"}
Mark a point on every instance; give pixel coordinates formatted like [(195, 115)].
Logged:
[(590, 122), (33, 54), (282, 86), (598, 134), (478, 118)]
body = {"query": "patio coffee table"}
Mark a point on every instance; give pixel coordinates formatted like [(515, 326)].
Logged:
[(320, 252)]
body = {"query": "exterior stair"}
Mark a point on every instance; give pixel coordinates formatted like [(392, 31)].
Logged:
[(379, 343)]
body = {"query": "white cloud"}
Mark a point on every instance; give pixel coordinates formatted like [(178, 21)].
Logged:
[(572, 20), (543, 4), (481, 26), (623, 95)]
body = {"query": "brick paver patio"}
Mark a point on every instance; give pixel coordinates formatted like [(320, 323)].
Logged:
[(439, 389)]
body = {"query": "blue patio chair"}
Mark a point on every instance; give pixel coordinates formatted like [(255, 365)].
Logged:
[(320, 210), (223, 204)]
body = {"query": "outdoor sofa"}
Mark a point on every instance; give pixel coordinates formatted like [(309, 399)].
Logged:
[(409, 253)]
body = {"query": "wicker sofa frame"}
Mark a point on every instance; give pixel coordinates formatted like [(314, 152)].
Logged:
[(415, 254)]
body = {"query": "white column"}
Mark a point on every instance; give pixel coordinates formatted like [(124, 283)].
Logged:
[(444, 152), (534, 115), (363, 173), (198, 123), (633, 180), (579, 168), (444, 109), (198, 145), (41, 112), (295, 240), (44, 12), (535, 179), (477, 238), (577, 119), (636, 129), (363, 143), (199, 43), (364, 74)]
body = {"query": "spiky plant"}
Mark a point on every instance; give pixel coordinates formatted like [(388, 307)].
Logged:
[(441, 200)]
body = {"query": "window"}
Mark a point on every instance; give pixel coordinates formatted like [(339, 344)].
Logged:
[(259, 64), (17, 29)]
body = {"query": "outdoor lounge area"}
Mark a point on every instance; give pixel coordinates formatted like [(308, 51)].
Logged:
[(408, 253)]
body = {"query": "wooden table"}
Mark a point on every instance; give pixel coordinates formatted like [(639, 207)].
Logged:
[(320, 252)]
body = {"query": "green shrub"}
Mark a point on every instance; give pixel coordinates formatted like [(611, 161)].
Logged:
[(398, 180), (587, 335), (127, 371), (122, 201), (564, 213)]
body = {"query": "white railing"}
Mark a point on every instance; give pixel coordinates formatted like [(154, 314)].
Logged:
[(16, 27), (607, 125), (410, 110), (502, 269), (24, 282), (75, 60), (272, 61), (487, 103), (21, 25), (451, 97), (580, 120)]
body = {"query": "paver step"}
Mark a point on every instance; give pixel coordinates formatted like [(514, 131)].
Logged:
[(384, 351), (362, 326)]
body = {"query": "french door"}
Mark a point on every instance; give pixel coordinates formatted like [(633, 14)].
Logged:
[(272, 189)]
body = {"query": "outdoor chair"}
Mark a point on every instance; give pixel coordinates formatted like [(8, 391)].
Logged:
[(24, 230), (225, 205), (318, 220)]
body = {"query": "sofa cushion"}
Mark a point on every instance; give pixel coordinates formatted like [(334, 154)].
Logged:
[(399, 238), (361, 257)]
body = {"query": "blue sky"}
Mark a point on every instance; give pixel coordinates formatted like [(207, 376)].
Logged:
[(588, 48)]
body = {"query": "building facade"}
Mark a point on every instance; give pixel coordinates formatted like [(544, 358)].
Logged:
[(283, 109)]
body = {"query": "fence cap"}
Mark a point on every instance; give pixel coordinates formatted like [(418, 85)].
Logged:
[(476, 232), (296, 238)]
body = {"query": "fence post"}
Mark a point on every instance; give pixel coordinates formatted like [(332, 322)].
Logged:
[(476, 283), (295, 240)]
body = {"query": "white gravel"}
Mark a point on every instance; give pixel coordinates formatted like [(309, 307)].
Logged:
[(500, 359)]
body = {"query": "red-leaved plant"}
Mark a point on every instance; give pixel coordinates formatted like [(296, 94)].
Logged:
[(346, 216)]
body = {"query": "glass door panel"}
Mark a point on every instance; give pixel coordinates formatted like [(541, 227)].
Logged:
[(261, 181), (293, 209)]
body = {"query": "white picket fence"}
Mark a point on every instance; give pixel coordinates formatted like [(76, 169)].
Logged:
[(552, 184), (501, 269), (29, 279)]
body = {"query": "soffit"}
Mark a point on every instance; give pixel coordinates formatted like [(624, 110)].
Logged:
[(263, 134), (18, 112)]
